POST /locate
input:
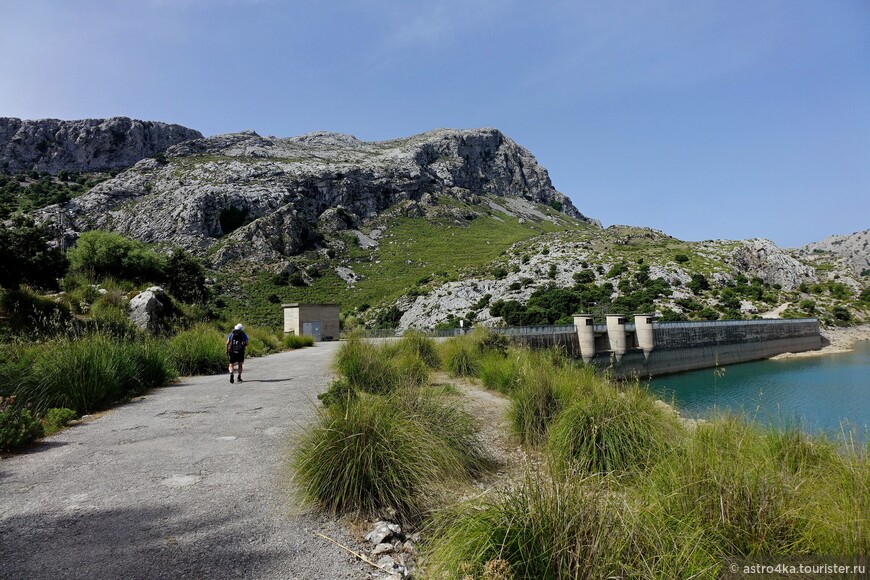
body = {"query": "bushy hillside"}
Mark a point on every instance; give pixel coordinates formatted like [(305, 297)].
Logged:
[(504, 268), (423, 231)]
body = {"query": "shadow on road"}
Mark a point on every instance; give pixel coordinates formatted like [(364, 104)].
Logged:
[(130, 542), (43, 445), (267, 380)]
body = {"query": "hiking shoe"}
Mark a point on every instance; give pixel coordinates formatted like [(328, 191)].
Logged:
[(232, 378), (240, 379)]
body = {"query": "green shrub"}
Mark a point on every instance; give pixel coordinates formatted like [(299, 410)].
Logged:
[(292, 341), (610, 430), (366, 367), (198, 351), (27, 256), (724, 483), (339, 392), (33, 316), (90, 372), (18, 425), (410, 369), (548, 526), (155, 366), (460, 356), (422, 346), (365, 457), (56, 419), (837, 504), (262, 341), (388, 317), (534, 405), (698, 284), (796, 451), (79, 374), (442, 415), (16, 367), (543, 392), (499, 372), (185, 277), (98, 254), (842, 313), (485, 340), (110, 319)]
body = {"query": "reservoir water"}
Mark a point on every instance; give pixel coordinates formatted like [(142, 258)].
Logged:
[(829, 393)]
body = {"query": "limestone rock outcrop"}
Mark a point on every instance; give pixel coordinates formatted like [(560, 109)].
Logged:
[(853, 248), (86, 145), (264, 198), (763, 259)]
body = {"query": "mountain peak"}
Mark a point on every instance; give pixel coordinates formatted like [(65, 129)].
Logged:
[(283, 186)]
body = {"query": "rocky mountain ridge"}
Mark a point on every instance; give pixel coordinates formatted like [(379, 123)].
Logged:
[(433, 226), (84, 145), (245, 197), (852, 248), (554, 260)]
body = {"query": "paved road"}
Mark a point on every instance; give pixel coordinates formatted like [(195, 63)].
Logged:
[(189, 481)]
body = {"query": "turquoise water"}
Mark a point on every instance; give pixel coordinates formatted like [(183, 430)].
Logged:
[(827, 393)]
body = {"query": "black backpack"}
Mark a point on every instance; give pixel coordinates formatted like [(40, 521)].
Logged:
[(237, 342)]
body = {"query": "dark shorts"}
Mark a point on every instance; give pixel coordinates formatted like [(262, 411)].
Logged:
[(237, 357)]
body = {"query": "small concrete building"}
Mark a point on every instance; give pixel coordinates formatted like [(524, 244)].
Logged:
[(319, 321)]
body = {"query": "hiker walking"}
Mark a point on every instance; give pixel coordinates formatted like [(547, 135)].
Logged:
[(236, 343)]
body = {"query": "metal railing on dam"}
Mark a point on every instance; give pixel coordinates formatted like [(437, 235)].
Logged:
[(649, 347), (693, 334)]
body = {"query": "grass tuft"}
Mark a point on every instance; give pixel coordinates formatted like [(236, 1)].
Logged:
[(293, 341), (372, 455), (609, 430), (460, 355), (549, 525), (200, 350), (90, 372)]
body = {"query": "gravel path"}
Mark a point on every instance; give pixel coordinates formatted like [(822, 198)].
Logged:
[(189, 481)]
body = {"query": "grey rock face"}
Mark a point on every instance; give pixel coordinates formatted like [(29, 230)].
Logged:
[(86, 145), (853, 248), (284, 189), (762, 258), (149, 310)]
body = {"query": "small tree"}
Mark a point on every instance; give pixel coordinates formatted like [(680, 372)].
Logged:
[(388, 317), (584, 276), (185, 277), (99, 254), (699, 283), (842, 313), (28, 257)]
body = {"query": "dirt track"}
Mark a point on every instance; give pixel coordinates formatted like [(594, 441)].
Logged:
[(189, 481)]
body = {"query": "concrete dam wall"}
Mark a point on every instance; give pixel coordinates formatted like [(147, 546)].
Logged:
[(648, 348)]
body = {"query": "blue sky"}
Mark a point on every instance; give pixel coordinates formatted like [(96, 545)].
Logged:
[(728, 119)]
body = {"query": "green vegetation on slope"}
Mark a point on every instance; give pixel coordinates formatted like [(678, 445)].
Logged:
[(413, 255), (31, 191)]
